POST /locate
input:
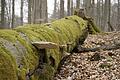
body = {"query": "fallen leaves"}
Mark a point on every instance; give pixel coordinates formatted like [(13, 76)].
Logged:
[(99, 65)]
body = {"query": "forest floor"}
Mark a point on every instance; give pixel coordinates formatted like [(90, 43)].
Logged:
[(97, 65)]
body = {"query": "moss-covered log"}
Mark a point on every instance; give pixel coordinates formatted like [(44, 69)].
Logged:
[(20, 60)]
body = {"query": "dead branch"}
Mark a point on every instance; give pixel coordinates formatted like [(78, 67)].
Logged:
[(105, 47)]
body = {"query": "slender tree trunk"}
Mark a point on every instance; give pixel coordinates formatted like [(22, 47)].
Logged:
[(68, 7), (105, 15), (40, 11), (118, 18), (21, 12), (102, 19), (61, 8), (2, 13), (87, 6), (13, 13), (109, 15), (9, 13), (77, 4), (46, 11), (55, 9), (29, 11), (34, 11), (98, 12), (71, 7), (93, 9)]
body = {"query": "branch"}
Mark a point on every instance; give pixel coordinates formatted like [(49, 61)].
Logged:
[(108, 47)]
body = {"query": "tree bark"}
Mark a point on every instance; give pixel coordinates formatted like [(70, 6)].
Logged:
[(93, 9), (29, 11), (118, 18), (68, 7), (77, 4), (71, 7), (55, 9), (61, 8), (46, 12), (105, 15), (109, 15), (13, 13), (21, 11), (2, 13)]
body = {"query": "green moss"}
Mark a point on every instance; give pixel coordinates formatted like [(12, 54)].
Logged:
[(29, 59), (7, 66), (48, 73)]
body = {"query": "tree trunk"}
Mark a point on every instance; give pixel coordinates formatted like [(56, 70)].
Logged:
[(71, 7), (21, 12), (105, 15), (13, 13), (93, 9), (77, 4), (61, 8), (55, 9), (2, 13), (29, 11), (102, 16), (68, 7), (118, 18), (39, 11), (98, 18), (87, 6), (45, 11), (109, 15)]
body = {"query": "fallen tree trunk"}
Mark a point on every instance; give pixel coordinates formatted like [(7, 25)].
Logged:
[(20, 60)]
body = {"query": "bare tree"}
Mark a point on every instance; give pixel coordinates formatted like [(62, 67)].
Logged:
[(45, 11), (98, 18), (68, 7), (105, 15), (21, 12), (13, 13), (87, 6), (61, 8), (93, 9), (71, 7), (118, 18), (55, 9), (109, 15), (29, 11), (77, 4), (2, 13), (39, 11)]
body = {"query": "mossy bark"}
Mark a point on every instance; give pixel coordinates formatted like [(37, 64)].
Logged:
[(19, 60)]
